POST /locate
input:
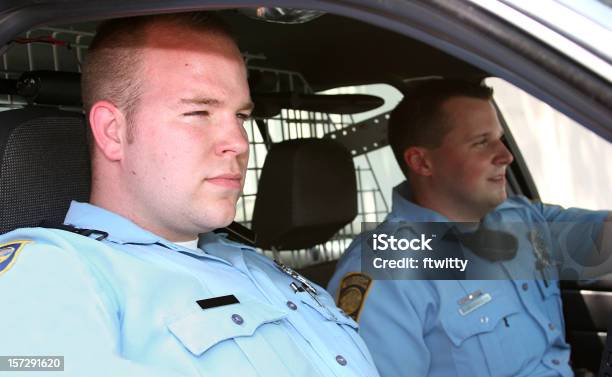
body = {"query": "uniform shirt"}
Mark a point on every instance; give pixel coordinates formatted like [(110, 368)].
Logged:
[(416, 328), (127, 306)]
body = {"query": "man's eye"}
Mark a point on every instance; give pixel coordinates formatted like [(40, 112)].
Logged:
[(200, 113), (480, 143), (243, 117)]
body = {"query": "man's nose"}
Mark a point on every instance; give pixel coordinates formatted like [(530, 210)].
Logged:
[(503, 156), (233, 140)]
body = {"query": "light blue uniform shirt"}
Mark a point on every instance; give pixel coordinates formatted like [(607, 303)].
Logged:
[(127, 306), (415, 327)]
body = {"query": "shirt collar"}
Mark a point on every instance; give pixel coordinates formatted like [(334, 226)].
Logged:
[(120, 230), (191, 245), (510, 203), (404, 209)]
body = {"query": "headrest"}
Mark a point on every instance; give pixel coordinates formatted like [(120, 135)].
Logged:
[(44, 164), (50, 88), (46, 88), (307, 192)]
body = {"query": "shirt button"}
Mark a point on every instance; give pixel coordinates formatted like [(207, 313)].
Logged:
[(291, 305), (237, 318), (341, 360), (556, 361), (525, 286), (551, 326), (484, 319)]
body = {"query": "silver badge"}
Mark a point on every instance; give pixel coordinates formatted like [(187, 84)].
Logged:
[(543, 258)]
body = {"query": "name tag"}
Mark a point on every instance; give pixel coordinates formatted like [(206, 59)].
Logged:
[(215, 302), (474, 304)]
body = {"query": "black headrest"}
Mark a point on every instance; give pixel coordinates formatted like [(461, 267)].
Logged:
[(44, 164), (307, 192), (46, 88), (50, 88)]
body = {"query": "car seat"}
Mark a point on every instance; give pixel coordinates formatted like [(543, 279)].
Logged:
[(44, 164), (307, 193)]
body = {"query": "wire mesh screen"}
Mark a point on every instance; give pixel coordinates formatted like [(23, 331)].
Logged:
[(62, 49)]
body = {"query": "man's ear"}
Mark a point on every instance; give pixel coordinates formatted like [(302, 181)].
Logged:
[(417, 160), (108, 129)]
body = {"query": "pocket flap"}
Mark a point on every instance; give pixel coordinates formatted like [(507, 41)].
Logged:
[(483, 319), (202, 329)]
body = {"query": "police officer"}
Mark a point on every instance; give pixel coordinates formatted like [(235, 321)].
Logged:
[(166, 98), (448, 141)]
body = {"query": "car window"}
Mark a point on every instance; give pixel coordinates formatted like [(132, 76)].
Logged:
[(569, 164)]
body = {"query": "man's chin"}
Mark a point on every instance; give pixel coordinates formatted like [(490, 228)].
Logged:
[(499, 199), (223, 217)]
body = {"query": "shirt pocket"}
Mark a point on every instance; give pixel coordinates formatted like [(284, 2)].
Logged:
[(482, 338), (203, 329)]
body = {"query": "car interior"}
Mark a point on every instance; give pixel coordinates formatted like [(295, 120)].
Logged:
[(311, 179)]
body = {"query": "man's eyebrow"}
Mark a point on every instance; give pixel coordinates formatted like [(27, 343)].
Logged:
[(486, 134), (249, 106), (201, 101), (479, 135), (214, 102)]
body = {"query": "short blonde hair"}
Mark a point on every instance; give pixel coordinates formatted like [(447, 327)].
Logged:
[(112, 67)]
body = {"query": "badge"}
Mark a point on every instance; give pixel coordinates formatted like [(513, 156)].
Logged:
[(352, 293), (543, 259), (473, 301), (8, 254)]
